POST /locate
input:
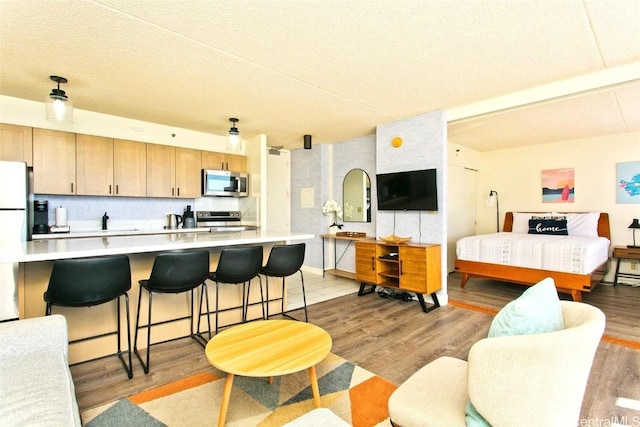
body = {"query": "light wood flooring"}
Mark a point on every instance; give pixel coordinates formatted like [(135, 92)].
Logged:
[(394, 338)]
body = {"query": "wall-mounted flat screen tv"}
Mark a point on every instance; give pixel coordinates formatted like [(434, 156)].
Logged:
[(408, 191)]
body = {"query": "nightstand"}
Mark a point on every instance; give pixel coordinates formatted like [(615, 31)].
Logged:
[(623, 252)]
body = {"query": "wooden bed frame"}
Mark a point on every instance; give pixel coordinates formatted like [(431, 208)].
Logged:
[(570, 283)]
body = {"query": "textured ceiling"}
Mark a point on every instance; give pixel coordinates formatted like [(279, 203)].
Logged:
[(332, 69)]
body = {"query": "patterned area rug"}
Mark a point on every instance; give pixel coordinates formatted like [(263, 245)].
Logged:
[(351, 392)]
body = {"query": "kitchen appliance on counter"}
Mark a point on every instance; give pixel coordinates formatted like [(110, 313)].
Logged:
[(173, 221), (188, 218), (224, 183), (40, 217), (15, 228), (220, 221)]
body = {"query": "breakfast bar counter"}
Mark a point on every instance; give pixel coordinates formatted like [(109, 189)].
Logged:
[(54, 249), (35, 260)]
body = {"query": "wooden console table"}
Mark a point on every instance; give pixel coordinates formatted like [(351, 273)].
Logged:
[(335, 270)]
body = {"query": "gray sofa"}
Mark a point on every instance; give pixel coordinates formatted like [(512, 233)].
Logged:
[(36, 388)]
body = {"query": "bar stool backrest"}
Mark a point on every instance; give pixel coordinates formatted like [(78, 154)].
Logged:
[(84, 282), (284, 260), (175, 272), (238, 265)]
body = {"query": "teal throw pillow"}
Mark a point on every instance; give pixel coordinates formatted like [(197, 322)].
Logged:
[(536, 311)]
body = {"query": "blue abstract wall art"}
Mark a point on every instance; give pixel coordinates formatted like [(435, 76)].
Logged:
[(628, 182)]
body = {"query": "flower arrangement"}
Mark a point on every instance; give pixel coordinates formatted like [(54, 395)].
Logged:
[(332, 207)]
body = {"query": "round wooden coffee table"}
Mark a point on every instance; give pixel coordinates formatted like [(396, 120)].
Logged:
[(268, 348)]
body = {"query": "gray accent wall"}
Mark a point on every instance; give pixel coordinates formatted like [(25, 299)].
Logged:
[(318, 168), (359, 153), (309, 171), (424, 146)]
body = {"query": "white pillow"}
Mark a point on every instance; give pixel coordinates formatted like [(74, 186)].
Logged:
[(583, 224), (521, 221)]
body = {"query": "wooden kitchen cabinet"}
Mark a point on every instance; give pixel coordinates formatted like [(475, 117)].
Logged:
[(16, 143), (188, 173), (173, 171), (161, 170), (224, 161), (94, 165), (108, 167), (54, 162), (129, 168), (408, 266)]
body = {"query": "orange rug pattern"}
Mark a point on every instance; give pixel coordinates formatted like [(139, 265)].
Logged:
[(354, 394)]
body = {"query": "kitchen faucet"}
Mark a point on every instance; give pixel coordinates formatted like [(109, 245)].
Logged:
[(104, 221)]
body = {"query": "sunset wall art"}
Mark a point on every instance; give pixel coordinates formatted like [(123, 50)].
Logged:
[(558, 186)]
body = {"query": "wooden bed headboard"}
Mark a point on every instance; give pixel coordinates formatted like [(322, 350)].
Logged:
[(603, 223)]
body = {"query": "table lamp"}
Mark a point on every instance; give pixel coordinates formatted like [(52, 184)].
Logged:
[(634, 225)]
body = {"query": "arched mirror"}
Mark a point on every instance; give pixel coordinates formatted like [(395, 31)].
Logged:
[(356, 196)]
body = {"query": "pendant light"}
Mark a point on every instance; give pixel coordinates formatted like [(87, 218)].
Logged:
[(58, 105), (233, 138)]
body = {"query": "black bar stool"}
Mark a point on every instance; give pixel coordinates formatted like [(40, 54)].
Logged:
[(285, 260), (174, 273), (238, 265), (85, 282)]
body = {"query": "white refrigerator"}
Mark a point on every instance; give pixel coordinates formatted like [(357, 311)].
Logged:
[(14, 230)]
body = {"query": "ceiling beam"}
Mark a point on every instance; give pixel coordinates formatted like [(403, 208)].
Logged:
[(577, 86)]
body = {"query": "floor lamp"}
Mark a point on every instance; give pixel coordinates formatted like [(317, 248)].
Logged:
[(493, 197)]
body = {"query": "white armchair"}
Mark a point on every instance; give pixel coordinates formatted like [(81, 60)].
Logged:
[(523, 380)]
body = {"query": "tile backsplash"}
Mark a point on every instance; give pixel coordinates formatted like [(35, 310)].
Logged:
[(84, 213)]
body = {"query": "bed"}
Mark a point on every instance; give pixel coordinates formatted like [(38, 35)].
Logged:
[(516, 256)]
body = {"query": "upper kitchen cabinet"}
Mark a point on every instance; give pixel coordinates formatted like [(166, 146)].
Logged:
[(110, 167), (54, 162), (224, 161), (161, 170), (129, 168), (188, 167), (16, 143), (173, 171), (94, 167)]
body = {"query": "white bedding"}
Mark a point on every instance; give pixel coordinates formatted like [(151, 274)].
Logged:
[(569, 254)]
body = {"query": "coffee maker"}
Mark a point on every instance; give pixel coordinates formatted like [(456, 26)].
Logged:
[(40, 217), (188, 220)]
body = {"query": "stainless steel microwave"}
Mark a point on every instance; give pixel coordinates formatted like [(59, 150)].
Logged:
[(224, 183)]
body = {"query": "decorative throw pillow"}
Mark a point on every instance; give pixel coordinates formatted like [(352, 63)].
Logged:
[(555, 226), (536, 311)]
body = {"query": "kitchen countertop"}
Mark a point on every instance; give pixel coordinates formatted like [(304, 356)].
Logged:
[(53, 249), (116, 232)]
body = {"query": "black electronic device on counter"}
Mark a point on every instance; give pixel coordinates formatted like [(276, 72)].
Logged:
[(188, 218), (40, 217)]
